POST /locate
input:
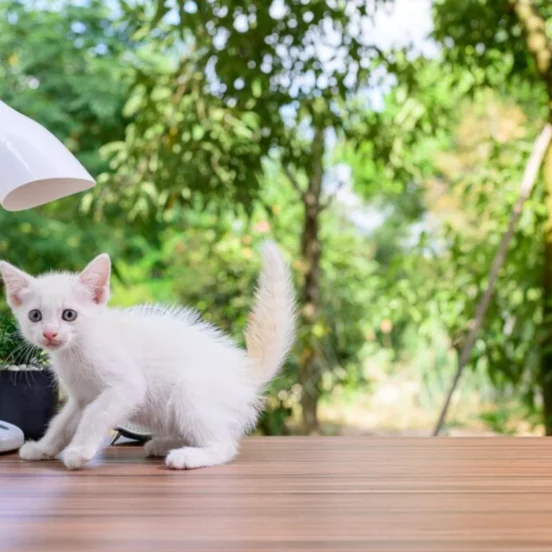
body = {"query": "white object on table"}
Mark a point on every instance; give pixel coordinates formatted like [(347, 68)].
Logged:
[(35, 167), (11, 437)]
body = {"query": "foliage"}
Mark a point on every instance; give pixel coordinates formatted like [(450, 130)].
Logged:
[(487, 38), (214, 124), (490, 152), (220, 86), (506, 45)]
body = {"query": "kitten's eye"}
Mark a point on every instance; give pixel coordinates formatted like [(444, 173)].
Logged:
[(35, 315), (69, 315)]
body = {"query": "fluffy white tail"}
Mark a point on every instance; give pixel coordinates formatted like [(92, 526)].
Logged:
[(271, 329)]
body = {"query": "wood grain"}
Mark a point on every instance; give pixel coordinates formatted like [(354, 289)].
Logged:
[(292, 494)]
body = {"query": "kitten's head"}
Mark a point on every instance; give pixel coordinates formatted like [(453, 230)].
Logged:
[(52, 309)]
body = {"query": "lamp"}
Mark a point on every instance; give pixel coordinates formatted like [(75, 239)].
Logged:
[(35, 167)]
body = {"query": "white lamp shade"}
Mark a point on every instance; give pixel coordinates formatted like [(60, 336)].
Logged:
[(35, 167)]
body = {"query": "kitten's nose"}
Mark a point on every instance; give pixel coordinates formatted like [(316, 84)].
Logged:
[(49, 335)]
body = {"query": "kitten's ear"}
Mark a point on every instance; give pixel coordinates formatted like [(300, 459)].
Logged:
[(16, 282), (95, 277)]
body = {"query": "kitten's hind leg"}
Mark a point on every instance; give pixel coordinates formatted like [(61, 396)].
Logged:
[(213, 454), (158, 447)]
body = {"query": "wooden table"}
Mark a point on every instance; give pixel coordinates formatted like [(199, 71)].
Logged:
[(290, 494)]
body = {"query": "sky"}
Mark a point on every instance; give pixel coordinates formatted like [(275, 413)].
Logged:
[(410, 21)]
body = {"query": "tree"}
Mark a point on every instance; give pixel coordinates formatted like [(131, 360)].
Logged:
[(225, 85), (507, 44)]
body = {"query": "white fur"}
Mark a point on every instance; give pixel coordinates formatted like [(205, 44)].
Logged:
[(160, 367)]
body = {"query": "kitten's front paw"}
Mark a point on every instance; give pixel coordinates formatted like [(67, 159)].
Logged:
[(32, 450), (75, 457)]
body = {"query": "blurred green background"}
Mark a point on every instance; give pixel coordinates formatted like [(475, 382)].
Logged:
[(381, 143)]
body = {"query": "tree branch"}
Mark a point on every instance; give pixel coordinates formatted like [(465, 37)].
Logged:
[(294, 182), (528, 181)]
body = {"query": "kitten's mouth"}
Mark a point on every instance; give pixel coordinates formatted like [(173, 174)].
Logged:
[(52, 345)]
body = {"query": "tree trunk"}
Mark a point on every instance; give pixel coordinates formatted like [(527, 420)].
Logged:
[(310, 366)]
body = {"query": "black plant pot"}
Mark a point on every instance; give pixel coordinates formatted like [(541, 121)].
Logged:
[(28, 400)]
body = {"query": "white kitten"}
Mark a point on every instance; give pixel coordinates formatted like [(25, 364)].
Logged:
[(163, 368)]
